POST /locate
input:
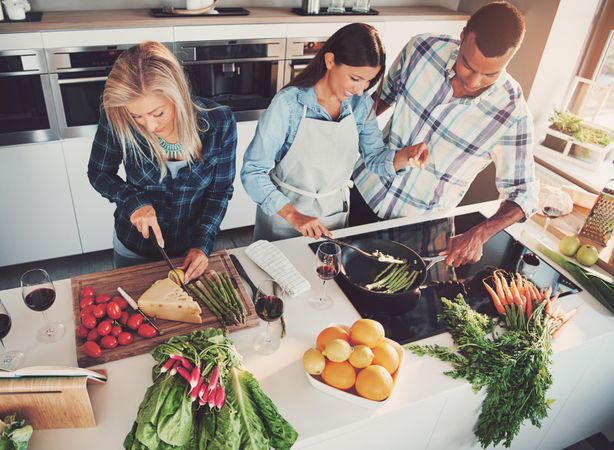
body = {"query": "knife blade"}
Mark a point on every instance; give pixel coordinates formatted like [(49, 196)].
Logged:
[(243, 274), (169, 263), (134, 305)]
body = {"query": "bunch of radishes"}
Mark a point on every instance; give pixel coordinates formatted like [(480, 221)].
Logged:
[(209, 393)]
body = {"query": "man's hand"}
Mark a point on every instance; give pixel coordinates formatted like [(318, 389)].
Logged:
[(194, 264), (412, 156), (145, 218), (306, 225), (465, 248)]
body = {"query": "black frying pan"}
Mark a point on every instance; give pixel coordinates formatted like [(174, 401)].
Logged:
[(359, 270)]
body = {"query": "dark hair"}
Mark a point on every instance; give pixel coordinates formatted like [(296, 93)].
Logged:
[(497, 27), (356, 45)]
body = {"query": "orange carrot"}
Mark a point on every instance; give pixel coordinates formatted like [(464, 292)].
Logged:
[(515, 293), (509, 298), (535, 292), (548, 292), (529, 306), (519, 283), (495, 299), (499, 288)]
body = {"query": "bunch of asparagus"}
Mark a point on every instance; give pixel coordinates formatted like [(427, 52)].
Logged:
[(394, 278), (218, 294)]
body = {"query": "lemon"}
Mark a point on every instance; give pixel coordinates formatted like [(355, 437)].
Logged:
[(177, 276), (361, 356), (337, 350), (313, 362)]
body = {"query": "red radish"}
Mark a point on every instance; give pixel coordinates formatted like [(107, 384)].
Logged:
[(214, 378), (220, 396), (167, 365), (184, 361), (196, 389), (184, 373), (196, 378), (203, 391), (175, 367)]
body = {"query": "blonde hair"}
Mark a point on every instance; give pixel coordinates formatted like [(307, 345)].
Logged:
[(150, 67)]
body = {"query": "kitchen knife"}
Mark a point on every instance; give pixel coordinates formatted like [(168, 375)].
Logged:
[(134, 305), (169, 263), (243, 274)]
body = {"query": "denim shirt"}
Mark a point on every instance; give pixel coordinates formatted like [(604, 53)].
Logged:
[(276, 132), (190, 206)]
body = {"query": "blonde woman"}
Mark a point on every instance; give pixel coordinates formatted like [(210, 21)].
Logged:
[(178, 152)]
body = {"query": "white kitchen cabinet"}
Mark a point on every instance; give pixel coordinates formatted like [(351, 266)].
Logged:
[(37, 218), (241, 209), (94, 213)]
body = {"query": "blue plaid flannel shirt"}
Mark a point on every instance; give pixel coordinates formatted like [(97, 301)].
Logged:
[(190, 207)]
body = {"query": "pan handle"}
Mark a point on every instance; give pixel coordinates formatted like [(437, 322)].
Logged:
[(432, 260)]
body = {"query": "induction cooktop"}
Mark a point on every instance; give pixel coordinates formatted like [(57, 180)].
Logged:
[(428, 239)]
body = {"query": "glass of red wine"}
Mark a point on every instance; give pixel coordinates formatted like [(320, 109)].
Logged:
[(8, 360), (269, 304), (328, 258), (38, 294)]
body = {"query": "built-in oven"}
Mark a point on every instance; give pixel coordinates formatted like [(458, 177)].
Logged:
[(241, 74), (78, 76), (299, 51), (26, 111)]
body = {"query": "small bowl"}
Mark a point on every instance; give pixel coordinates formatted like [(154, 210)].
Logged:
[(351, 395)]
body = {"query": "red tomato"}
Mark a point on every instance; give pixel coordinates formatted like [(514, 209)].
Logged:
[(146, 330), (86, 301), (99, 311), (89, 321), (113, 311), (87, 311), (103, 298), (82, 331), (134, 321), (125, 338), (104, 327), (108, 342), (121, 301), (116, 330), (93, 335), (124, 318), (87, 291), (91, 349)]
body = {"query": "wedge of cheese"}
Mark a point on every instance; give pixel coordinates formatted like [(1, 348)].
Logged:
[(166, 300)]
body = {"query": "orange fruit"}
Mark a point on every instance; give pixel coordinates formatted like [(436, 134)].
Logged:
[(386, 356), (330, 333), (374, 382), (368, 332), (340, 375)]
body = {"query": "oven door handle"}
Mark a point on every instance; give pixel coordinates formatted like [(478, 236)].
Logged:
[(82, 80)]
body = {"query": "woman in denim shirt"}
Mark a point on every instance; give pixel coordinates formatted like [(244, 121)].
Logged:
[(298, 166), (178, 152)]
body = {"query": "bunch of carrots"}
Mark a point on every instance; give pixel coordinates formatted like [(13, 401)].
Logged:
[(520, 297)]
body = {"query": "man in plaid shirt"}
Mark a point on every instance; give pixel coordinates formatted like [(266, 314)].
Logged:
[(454, 100)]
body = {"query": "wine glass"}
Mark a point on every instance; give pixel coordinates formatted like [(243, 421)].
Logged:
[(38, 294), (327, 262), (550, 212), (8, 360), (269, 307)]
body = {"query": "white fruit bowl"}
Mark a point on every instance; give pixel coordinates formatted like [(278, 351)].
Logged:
[(351, 395)]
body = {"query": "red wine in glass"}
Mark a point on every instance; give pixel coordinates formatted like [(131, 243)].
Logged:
[(40, 299), (269, 307), (5, 325), (326, 272)]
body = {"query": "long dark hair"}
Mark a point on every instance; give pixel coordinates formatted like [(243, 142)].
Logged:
[(356, 45)]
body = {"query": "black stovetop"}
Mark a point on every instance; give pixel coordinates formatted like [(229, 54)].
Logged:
[(428, 239)]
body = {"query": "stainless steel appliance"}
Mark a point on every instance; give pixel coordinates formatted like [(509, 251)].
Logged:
[(26, 112), (299, 51), (78, 76), (241, 74)]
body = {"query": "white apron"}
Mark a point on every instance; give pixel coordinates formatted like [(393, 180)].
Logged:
[(314, 175)]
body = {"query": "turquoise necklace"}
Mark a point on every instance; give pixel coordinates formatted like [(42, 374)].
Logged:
[(173, 151)]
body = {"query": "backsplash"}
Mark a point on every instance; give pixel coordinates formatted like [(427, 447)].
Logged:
[(80, 5)]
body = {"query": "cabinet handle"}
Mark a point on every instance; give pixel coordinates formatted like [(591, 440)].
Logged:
[(82, 80)]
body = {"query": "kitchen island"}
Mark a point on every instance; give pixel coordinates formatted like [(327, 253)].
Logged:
[(426, 410)]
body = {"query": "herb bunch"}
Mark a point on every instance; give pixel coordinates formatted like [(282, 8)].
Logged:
[(512, 366)]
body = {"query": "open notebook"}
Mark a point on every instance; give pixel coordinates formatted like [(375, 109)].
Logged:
[(53, 371)]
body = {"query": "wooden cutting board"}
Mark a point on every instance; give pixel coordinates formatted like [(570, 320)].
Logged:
[(137, 279), (571, 224)]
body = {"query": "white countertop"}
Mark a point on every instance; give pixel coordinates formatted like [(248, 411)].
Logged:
[(422, 390)]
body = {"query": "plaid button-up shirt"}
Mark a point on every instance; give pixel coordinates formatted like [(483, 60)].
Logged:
[(190, 207), (463, 135)]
